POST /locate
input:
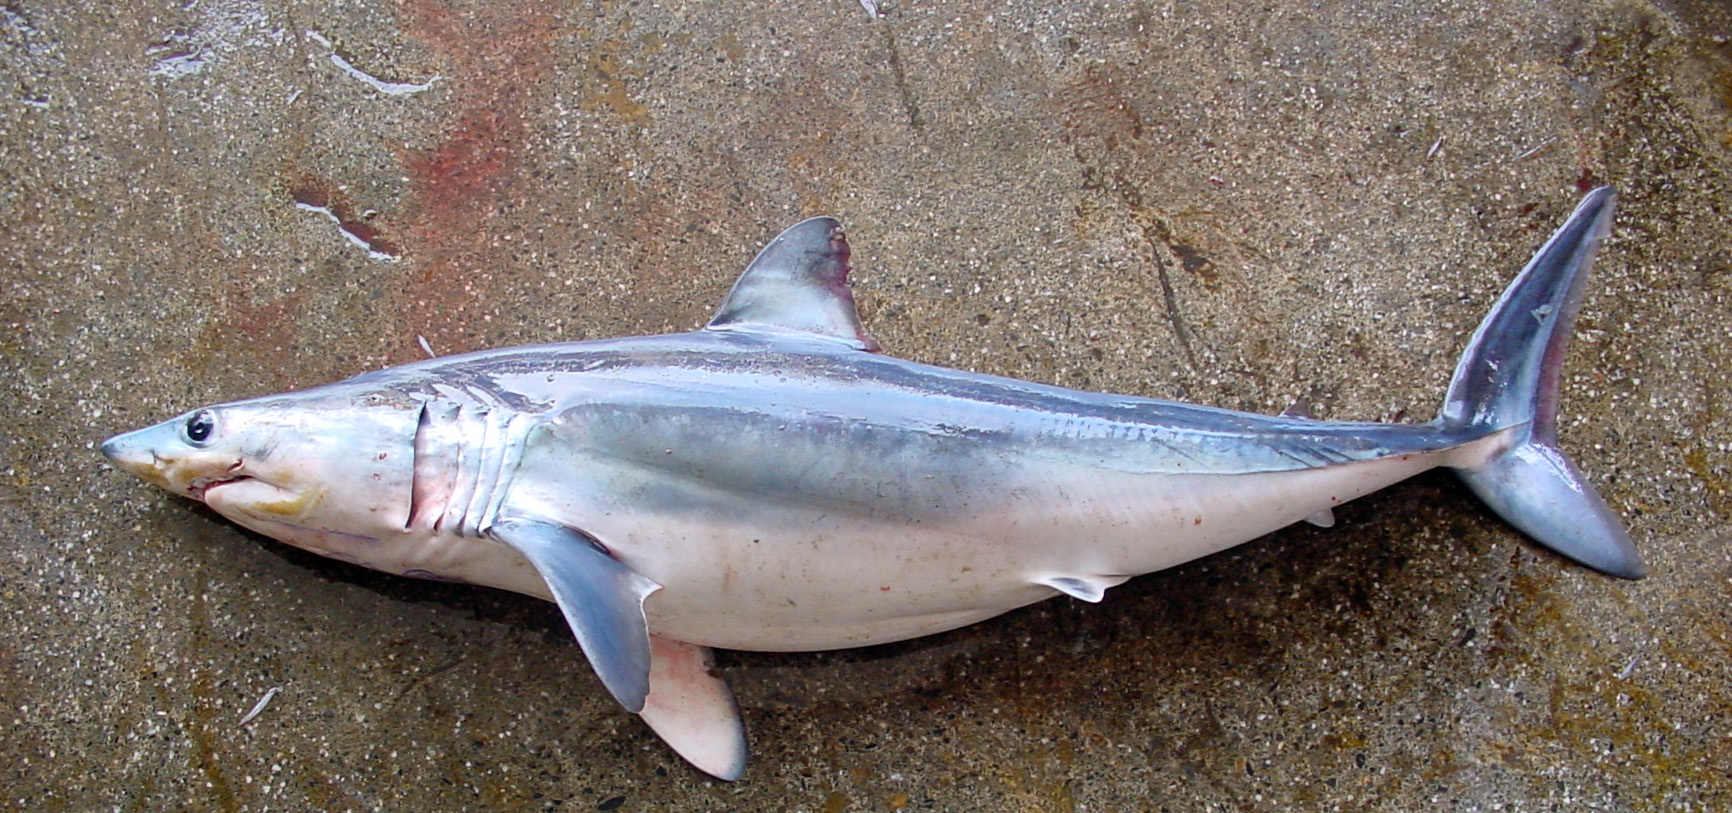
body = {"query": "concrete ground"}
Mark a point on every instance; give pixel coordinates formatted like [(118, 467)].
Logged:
[(1239, 204)]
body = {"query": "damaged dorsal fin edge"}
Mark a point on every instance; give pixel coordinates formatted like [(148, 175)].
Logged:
[(799, 282)]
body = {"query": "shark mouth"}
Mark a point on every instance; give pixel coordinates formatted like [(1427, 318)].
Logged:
[(201, 486)]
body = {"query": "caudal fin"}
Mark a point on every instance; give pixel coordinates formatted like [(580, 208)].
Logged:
[(1508, 379)]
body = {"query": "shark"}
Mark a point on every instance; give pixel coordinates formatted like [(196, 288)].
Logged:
[(773, 482)]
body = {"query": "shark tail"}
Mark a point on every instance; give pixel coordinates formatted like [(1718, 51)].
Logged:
[(1507, 380)]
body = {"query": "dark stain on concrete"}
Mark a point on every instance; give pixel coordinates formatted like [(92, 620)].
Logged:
[(329, 199), (910, 106)]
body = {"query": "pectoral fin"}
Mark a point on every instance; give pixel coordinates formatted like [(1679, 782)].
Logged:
[(602, 600), (692, 709)]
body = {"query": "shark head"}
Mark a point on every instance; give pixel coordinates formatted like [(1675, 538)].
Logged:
[(322, 469)]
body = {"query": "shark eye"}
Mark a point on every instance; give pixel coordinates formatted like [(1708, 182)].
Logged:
[(200, 425)]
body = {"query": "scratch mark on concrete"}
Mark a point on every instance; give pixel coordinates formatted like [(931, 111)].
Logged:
[(910, 107)]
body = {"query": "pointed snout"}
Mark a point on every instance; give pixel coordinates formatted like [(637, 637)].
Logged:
[(133, 452), (124, 450)]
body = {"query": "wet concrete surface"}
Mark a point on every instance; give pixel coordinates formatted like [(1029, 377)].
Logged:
[(1233, 204)]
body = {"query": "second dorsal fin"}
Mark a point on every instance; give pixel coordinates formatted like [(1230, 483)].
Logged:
[(798, 282)]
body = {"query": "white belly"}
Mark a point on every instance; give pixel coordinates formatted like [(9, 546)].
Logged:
[(788, 578)]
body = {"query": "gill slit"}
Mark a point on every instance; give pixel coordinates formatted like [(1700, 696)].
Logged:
[(417, 478), (471, 432), (486, 472), (514, 437), (498, 453), (467, 448)]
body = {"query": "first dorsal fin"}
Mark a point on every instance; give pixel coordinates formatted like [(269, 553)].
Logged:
[(798, 282)]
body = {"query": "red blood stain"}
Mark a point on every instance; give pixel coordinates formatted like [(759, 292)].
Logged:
[(461, 178), (263, 330), (499, 55)]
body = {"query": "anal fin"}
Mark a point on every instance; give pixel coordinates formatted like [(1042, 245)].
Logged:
[(1322, 519), (1086, 588), (692, 709), (601, 598)]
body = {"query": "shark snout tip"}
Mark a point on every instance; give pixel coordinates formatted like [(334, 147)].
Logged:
[(127, 453)]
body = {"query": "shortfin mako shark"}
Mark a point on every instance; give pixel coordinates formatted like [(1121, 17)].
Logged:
[(771, 482)]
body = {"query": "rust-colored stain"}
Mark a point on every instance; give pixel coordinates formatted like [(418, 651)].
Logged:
[(267, 330), (605, 85), (1098, 105), (500, 56)]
